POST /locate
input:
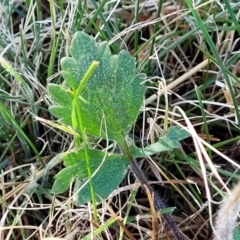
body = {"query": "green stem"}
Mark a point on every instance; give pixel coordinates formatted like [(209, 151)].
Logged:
[(156, 26), (136, 40), (86, 77), (77, 113), (53, 39)]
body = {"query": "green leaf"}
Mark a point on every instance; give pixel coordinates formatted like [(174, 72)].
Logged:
[(236, 234), (165, 143), (64, 98), (113, 94), (64, 178), (108, 172)]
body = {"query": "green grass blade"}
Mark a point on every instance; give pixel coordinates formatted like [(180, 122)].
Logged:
[(215, 54), (21, 134)]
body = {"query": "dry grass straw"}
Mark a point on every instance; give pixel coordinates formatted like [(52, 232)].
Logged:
[(193, 183)]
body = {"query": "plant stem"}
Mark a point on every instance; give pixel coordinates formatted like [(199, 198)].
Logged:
[(76, 114), (158, 202)]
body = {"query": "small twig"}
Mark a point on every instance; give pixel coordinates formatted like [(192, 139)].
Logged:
[(153, 213)]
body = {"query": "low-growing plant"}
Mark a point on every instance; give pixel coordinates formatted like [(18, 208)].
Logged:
[(101, 97)]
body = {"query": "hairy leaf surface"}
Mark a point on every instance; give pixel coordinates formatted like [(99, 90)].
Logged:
[(108, 170), (165, 143), (112, 96)]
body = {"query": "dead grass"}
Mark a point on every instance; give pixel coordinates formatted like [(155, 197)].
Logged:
[(184, 82)]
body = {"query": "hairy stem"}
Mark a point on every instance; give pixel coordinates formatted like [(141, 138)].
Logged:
[(158, 202)]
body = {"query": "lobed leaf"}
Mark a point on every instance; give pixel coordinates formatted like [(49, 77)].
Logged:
[(165, 143), (108, 171), (64, 98), (113, 94)]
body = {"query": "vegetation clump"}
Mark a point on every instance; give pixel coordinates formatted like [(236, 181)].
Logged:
[(89, 89)]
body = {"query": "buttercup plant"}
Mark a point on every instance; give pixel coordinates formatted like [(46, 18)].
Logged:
[(101, 96)]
